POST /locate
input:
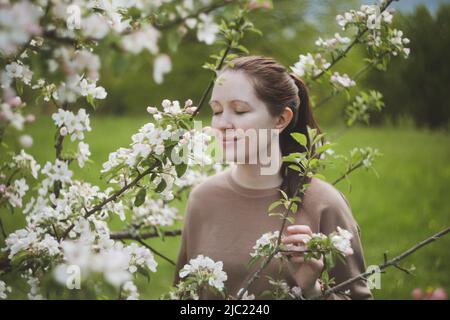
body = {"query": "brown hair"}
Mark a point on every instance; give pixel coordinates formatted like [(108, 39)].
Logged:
[(278, 88)]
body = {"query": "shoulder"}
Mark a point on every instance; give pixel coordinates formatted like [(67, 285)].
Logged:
[(327, 194), (210, 187), (331, 204)]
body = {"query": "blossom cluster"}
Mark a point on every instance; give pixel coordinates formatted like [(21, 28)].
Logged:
[(4, 290), (341, 81), (200, 271), (310, 65), (265, 245), (338, 241), (99, 254), (169, 140), (380, 38), (19, 21)]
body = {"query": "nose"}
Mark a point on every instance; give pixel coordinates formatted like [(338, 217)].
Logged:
[(222, 123)]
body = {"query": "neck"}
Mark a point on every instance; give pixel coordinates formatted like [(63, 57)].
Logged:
[(251, 176)]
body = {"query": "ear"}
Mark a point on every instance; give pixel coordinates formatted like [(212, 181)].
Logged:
[(284, 118)]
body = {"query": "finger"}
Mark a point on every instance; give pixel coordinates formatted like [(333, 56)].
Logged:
[(296, 239), (299, 228), (297, 259)]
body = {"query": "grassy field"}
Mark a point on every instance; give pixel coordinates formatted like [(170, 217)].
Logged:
[(406, 203)]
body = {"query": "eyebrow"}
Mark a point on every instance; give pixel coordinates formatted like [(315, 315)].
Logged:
[(234, 100)]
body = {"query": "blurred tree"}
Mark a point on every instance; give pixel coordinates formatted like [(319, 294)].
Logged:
[(288, 30), (418, 87)]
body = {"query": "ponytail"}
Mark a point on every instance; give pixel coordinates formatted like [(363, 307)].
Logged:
[(303, 117)]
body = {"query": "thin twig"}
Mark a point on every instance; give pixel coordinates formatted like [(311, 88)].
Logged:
[(113, 197), (350, 46), (389, 263), (155, 252), (127, 235), (211, 83)]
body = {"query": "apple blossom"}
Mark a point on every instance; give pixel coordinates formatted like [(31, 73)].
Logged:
[(4, 289)]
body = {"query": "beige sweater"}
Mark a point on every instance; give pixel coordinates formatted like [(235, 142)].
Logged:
[(223, 220)]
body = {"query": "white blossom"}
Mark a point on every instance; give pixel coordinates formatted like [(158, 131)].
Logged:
[(140, 257), (83, 153), (59, 171), (130, 290), (75, 125), (4, 289), (145, 38), (202, 266), (341, 240), (31, 241), (33, 282), (309, 65), (161, 66), (19, 21), (333, 42), (25, 161), (342, 81), (207, 29), (89, 88), (15, 192), (266, 244), (11, 116), (20, 71), (26, 141)]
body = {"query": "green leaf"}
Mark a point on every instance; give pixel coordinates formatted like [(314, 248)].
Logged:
[(300, 138), (295, 167), (19, 87), (140, 197), (290, 219), (324, 147), (181, 169), (161, 186), (294, 207), (274, 205), (90, 100)]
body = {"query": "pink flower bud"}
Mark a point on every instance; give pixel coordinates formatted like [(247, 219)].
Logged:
[(258, 4), (26, 140), (34, 29), (63, 131), (152, 110), (191, 110), (438, 294), (417, 294), (15, 101), (30, 118), (2, 188)]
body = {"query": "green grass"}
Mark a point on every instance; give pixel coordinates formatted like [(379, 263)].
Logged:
[(406, 203)]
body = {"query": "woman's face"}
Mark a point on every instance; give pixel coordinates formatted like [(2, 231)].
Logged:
[(239, 114)]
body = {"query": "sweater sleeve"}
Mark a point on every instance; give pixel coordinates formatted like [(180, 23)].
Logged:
[(340, 214)]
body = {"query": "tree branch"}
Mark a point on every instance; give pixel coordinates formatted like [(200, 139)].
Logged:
[(111, 198), (389, 263), (358, 37), (129, 235)]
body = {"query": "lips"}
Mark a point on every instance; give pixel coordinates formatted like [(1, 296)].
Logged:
[(230, 140)]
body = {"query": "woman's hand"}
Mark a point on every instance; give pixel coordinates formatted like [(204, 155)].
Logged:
[(304, 272)]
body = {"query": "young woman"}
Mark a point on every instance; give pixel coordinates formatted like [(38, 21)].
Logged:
[(227, 212)]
